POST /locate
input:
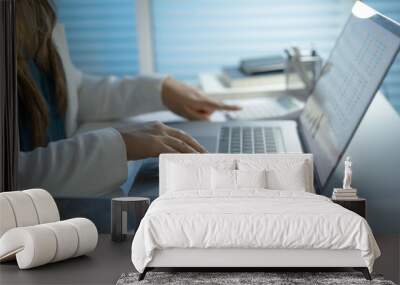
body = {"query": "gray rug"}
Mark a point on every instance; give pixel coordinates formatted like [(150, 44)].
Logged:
[(229, 278)]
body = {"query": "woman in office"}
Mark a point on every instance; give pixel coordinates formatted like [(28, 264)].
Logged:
[(55, 99)]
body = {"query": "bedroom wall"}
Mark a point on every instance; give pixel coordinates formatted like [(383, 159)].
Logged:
[(388, 263), (376, 164)]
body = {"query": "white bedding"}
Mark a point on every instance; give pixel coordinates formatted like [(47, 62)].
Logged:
[(251, 218)]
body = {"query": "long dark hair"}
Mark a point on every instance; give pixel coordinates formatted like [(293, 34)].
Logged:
[(35, 21)]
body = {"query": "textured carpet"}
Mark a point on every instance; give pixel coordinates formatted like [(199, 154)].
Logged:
[(225, 278)]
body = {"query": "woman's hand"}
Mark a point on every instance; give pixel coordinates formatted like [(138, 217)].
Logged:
[(190, 103), (153, 139)]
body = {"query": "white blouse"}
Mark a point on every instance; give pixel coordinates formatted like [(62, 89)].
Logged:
[(91, 163)]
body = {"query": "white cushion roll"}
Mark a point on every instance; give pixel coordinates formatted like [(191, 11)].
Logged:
[(67, 240), (34, 245), (87, 234), (7, 218), (23, 207), (40, 244), (45, 205)]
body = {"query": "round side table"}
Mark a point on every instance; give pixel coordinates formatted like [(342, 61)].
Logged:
[(126, 211)]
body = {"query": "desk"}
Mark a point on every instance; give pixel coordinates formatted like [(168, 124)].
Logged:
[(103, 266)]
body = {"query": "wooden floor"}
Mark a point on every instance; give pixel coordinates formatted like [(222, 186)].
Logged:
[(110, 260)]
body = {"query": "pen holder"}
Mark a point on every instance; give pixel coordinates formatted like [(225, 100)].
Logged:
[(302, 71), (126, 213)]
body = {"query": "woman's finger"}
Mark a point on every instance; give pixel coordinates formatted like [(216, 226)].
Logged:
[(165, 148), (181, 135), (201, 114), (213, 105), (178, 145), (222, 106)]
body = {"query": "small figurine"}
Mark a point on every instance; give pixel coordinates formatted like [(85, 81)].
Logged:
[(348, 173)]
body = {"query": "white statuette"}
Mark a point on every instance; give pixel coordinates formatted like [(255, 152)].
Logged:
[(348, 173)]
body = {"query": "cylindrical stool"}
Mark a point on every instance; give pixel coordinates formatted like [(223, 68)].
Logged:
[(123, 209)]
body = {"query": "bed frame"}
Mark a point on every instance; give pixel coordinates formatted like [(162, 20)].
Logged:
[(247, 259), (235, 259)]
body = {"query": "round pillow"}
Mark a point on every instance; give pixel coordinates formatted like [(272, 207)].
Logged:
[(40, 244), (26, 208)]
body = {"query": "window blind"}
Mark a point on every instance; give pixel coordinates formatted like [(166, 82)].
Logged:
[(391, 85), (192, 36), (101, 35)]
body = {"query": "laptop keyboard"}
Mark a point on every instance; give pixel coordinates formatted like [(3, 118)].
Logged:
[(250, 140), (261, 108)]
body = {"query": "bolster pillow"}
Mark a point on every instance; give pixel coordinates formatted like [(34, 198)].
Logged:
[(26, 208), (31, 231), (40, 244)]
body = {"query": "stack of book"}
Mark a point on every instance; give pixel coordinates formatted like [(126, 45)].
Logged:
[(234, 77), (344, 194)]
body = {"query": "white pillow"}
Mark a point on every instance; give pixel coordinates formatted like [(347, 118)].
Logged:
[(223, 179), (292, 179), (188, 177), (284, 172), (251, 178)]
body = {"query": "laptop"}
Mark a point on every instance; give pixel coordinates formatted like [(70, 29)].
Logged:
[(356, 67)]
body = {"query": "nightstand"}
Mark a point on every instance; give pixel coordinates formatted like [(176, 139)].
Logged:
[(358, 206), (123, 209)]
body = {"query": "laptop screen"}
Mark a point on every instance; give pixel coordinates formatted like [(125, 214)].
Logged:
[(351, 76)]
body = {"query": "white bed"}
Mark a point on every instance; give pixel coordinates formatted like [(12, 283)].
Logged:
[(219, 225)]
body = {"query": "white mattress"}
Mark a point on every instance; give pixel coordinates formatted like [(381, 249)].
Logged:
[(252, 219)]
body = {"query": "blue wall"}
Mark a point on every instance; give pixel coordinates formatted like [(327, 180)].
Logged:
[(101, 35), (197, 36)]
